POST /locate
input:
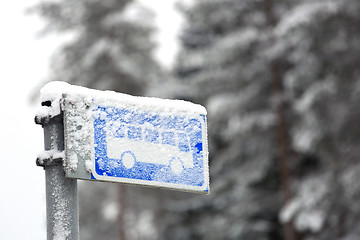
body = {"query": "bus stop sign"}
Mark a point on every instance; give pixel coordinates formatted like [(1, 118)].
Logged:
[(115, 137)]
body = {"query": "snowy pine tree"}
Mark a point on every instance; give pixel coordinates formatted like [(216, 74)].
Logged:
[(320, 41), (280, 82), (224, 59), (111, 46)]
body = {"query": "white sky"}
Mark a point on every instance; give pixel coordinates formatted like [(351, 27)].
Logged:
[(24, 63), (169, 22)]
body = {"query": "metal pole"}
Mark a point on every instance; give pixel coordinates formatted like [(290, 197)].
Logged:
[(61, 193)]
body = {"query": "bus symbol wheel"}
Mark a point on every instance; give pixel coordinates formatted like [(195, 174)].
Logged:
[(128, 159), (176, 165)]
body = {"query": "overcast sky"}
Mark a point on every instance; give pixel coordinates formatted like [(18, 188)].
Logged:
[(23, 61), (24, 64)]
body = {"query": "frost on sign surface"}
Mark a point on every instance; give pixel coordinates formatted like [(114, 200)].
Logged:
[(146, 141), (147, 146)]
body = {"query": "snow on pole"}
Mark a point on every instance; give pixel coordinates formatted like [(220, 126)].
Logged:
[(61, 193)]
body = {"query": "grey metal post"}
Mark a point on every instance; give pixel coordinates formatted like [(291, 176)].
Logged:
[(61, 193)]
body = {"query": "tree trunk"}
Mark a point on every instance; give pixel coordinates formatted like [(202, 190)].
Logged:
[(281, 128), (282, 145)]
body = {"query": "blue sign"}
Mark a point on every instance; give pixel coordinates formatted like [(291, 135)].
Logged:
[(149, 148)]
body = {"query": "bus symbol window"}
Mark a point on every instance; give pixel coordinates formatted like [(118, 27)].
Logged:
[(168, 138), (183, 142), (134, 133), (151, 135), (117, 130)]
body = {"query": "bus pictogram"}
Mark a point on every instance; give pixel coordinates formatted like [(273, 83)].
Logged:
[(144, 143)]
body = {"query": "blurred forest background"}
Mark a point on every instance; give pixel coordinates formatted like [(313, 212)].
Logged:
[(281, 83)]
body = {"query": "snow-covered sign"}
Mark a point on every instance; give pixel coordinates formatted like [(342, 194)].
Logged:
[(116, 137)]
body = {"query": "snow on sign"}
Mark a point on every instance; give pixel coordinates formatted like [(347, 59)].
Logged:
[(121, 138)]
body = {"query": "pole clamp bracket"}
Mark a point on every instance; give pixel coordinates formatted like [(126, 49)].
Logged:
[(50, 158)]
